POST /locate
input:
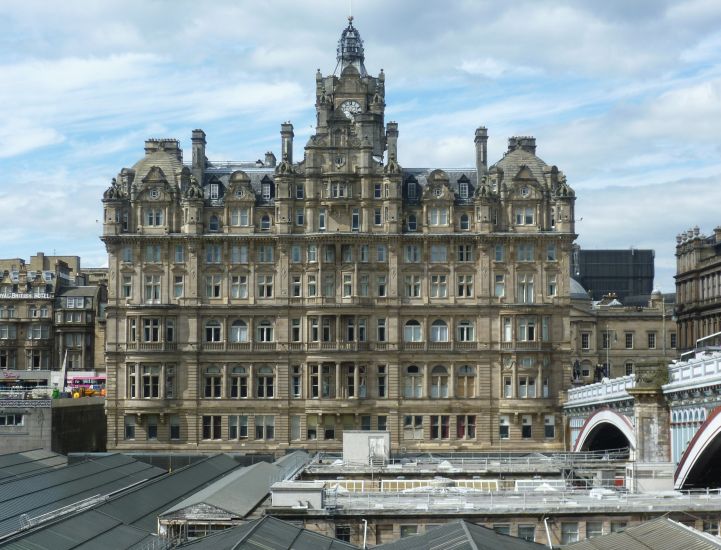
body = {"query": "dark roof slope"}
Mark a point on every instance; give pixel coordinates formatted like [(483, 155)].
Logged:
[(14, 465), (127, 519), (461, 535), (24, 499), (268, 533), (659, 534)]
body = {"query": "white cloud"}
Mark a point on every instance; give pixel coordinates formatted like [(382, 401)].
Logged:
[(18, 136)]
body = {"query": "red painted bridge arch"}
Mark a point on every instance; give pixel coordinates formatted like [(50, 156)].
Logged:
[(605, 429)]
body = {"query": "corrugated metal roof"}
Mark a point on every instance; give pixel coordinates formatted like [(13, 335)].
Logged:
[(128, 518), (45, 492), (658, 534), (14, 465), (238, 492), (142, 506), (268, 533), (461, 535)]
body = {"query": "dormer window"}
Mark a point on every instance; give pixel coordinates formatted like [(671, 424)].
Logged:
[(265, 191), (411, 190), (214, 190), (463, 189)]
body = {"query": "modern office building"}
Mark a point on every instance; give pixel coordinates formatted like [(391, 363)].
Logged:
[(624, 273), (273, 305)]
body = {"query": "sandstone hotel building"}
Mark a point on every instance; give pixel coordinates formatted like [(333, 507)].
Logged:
[(272, 305)]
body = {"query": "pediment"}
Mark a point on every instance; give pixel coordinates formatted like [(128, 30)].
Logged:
[(155, 175), (524, 173)]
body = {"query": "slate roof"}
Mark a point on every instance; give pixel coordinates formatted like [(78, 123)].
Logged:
[(268, 533), (455, 176), (513, 161), (460, 535), (127, 519), (14, 465), (167, 161), (658, 534), (237, 493), (48, 490), (80, 291)]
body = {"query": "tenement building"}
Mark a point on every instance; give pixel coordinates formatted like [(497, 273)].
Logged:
[(275, 304), (698, 287), (51, 324)]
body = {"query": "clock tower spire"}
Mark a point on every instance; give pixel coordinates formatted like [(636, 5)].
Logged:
[(350, 107)]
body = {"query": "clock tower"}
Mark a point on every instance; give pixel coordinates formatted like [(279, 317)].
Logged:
[(350, 107)]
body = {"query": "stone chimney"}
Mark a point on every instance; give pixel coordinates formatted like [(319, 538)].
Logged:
[(525, 143), (481, 142), (270, 159), (198, 138), (286, 137), (392, 140)]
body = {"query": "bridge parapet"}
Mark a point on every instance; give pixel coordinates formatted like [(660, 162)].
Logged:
[(701, 370), (610, 390)]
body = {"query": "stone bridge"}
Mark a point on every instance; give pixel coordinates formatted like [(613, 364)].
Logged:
[(668, 416)]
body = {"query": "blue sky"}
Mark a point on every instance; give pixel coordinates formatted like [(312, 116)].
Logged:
[(624, 97)]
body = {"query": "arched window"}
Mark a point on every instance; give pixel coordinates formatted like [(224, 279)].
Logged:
[(439, 382), (412, 222), (412, 331), (264, 382), (465, 225), (239, 331), (439, 331), (265, 223), (213, 331), (214, 224), (265, 331), (239, 382), (465, 332), (212, 382), (413, 382), (465, 381)]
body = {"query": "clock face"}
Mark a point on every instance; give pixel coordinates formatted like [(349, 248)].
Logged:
[(350, 108)]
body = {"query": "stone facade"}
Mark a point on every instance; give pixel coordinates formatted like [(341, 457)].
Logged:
[(609, 338), (47, 319), (271, 305), (698, 287)]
